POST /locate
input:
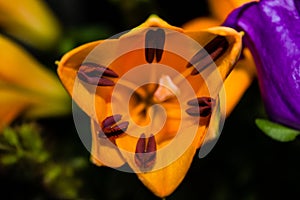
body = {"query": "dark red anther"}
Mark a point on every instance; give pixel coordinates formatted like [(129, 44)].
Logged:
[(95, 80), (111, 120), (145, 154), (208, 54), (95, 74), (201, 101), (154, 45), (201, 106), (151, 147), (115, 130), (141, 144), (109, 128), (149, 54), (199, 111)]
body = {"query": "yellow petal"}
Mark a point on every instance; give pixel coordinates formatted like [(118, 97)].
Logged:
[(244, 71), (67, 72), (155, 21), (30, 21), (226, 62), (31, 82), (12, 104), (104, 152), (164, 181), (239, 80)]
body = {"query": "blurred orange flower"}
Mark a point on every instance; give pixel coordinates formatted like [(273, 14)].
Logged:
[(30, 21), (26, 87)]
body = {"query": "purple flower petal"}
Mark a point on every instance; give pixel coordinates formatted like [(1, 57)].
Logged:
[(272, 33)]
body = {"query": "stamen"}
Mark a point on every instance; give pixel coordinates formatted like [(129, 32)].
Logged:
[(151, 147), (201, 106), (105, 82), (109, 121), (145, 155), (208, 54), (93, 74), (149, 54), (159, 53), (116, 130), (94, 69), (111, 129), (141, 144), (95, 80), (199, 111), (154, 45), (201, 101)]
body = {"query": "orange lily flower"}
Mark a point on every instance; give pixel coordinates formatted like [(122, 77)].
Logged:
[(133, 89), (30, 21), (244, 72), (27, 87)]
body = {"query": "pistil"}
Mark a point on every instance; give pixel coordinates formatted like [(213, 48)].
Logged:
[(166, 89)]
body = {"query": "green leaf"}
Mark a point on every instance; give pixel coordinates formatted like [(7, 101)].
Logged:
[(9, 159), (11, 137), (52, 173), (277, 131), (30, 137)]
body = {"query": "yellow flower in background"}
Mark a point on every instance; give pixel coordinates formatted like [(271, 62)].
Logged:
[(26, 87), (221, 9), (91, 79), (244, 72), (30, 21)]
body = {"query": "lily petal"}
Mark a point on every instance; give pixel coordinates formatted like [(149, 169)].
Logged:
[(155, 21), (164, 181), (36, 90), (30, 21), (12, 104), (239, 80), (104, 152), (273, 39)]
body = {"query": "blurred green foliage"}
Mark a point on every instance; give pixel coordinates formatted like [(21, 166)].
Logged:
[(23, 148)]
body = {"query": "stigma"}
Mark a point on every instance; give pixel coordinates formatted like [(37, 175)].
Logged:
[(166, 89)]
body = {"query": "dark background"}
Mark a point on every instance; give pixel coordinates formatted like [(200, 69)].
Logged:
[(245, 164)]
